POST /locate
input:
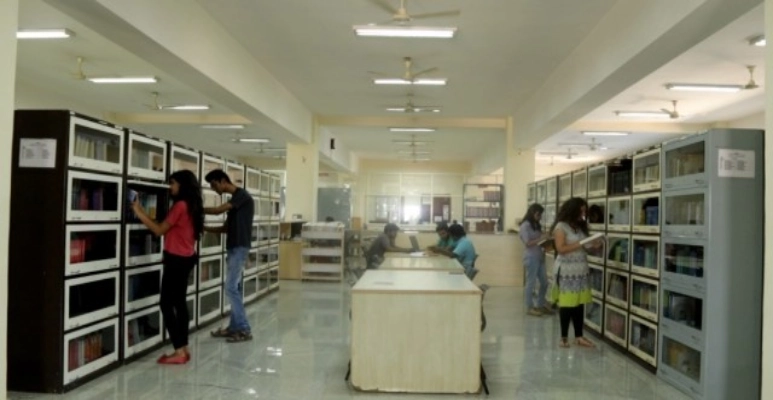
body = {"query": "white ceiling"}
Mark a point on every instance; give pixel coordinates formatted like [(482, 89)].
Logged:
[(504, 51), (449, 144), (720, 59), (46, 77)]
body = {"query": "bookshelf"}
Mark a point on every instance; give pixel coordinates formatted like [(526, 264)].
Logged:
[(677, 268), (52, 343), (711, 260), (100, 274), (483, 207), (323, 252)]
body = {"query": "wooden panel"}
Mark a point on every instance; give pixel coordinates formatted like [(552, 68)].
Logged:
[(290, 260), (427, 343)]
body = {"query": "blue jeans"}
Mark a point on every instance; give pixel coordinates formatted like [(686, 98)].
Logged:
[(535, 270), (236, 258)]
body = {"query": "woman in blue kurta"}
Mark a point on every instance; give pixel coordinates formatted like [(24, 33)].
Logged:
[(531, 235)]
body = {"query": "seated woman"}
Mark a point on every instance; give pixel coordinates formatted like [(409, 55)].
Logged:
[(444, 239), (464, 251)]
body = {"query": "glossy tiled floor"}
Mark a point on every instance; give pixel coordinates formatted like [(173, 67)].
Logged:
[(300, 352)]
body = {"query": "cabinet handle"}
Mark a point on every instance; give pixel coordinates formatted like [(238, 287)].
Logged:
[(695, 338), (700, 181)]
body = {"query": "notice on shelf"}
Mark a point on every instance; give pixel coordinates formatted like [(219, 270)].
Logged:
[(736, 163), (37, 153)]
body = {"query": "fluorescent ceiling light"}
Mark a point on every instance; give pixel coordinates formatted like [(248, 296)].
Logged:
[(186, 107), (642, 114), (410, 142), (412, 129), (44, 34), (404, 31), (251, 140), (414, 152), (605, 133), (758, 41), (414, 109), (400, 81), (128, 79), (222, 126), (700, 87)]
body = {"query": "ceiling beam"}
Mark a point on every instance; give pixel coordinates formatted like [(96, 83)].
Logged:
[(177, 118), (651, 127), (413, 121)]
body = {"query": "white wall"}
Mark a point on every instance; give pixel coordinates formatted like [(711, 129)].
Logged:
[(9, 19)]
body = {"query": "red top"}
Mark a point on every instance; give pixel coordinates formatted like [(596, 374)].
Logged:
[(179, 238)]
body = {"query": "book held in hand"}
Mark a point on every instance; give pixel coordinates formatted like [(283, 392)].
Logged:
[(592, 238)]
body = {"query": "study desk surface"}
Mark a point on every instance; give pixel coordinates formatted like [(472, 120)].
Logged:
[(396, 281), (422, 264)]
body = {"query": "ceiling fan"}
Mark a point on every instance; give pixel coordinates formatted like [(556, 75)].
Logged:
[(751, 84), (568, 154), (412, 142), (400, 15), (592, 146), (408, 74), (673, 113), (264, 150), (410, 107)]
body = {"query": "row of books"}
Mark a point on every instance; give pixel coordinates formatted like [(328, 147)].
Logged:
[(96, 148), (683, 309), (686, 212), (149, 160), (617, 287), (648, 174), (643, 338), (619, 183), (645, 296), (85, 199), (86, 349), (616, 324), (649, 216), (618, 250), (149, 203), (92, 246), (645, 254), (482, 212), (683, 359), (142, 243)]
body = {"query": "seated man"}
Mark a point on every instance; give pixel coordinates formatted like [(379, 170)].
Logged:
[(444, 239), (385, 242), (464, 251)]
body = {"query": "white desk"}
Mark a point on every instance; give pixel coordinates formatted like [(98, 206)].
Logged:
[(447, 264), (393, 254), (416, 331)]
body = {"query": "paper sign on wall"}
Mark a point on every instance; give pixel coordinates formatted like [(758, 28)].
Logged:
[(37, 153), (736, 163)]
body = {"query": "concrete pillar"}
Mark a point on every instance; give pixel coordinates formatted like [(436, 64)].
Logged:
[(767, 306), (519, 171), (9, 21), (302, 170)]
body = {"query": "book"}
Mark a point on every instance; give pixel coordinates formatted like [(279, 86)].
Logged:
[(592, 238)]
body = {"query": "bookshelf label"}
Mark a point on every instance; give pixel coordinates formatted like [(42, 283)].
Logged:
[(37, 153)]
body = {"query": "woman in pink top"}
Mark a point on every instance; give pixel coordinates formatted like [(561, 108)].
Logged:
[(182, 227)]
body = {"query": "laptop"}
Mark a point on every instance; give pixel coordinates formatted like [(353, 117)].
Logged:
[(415, 244)]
